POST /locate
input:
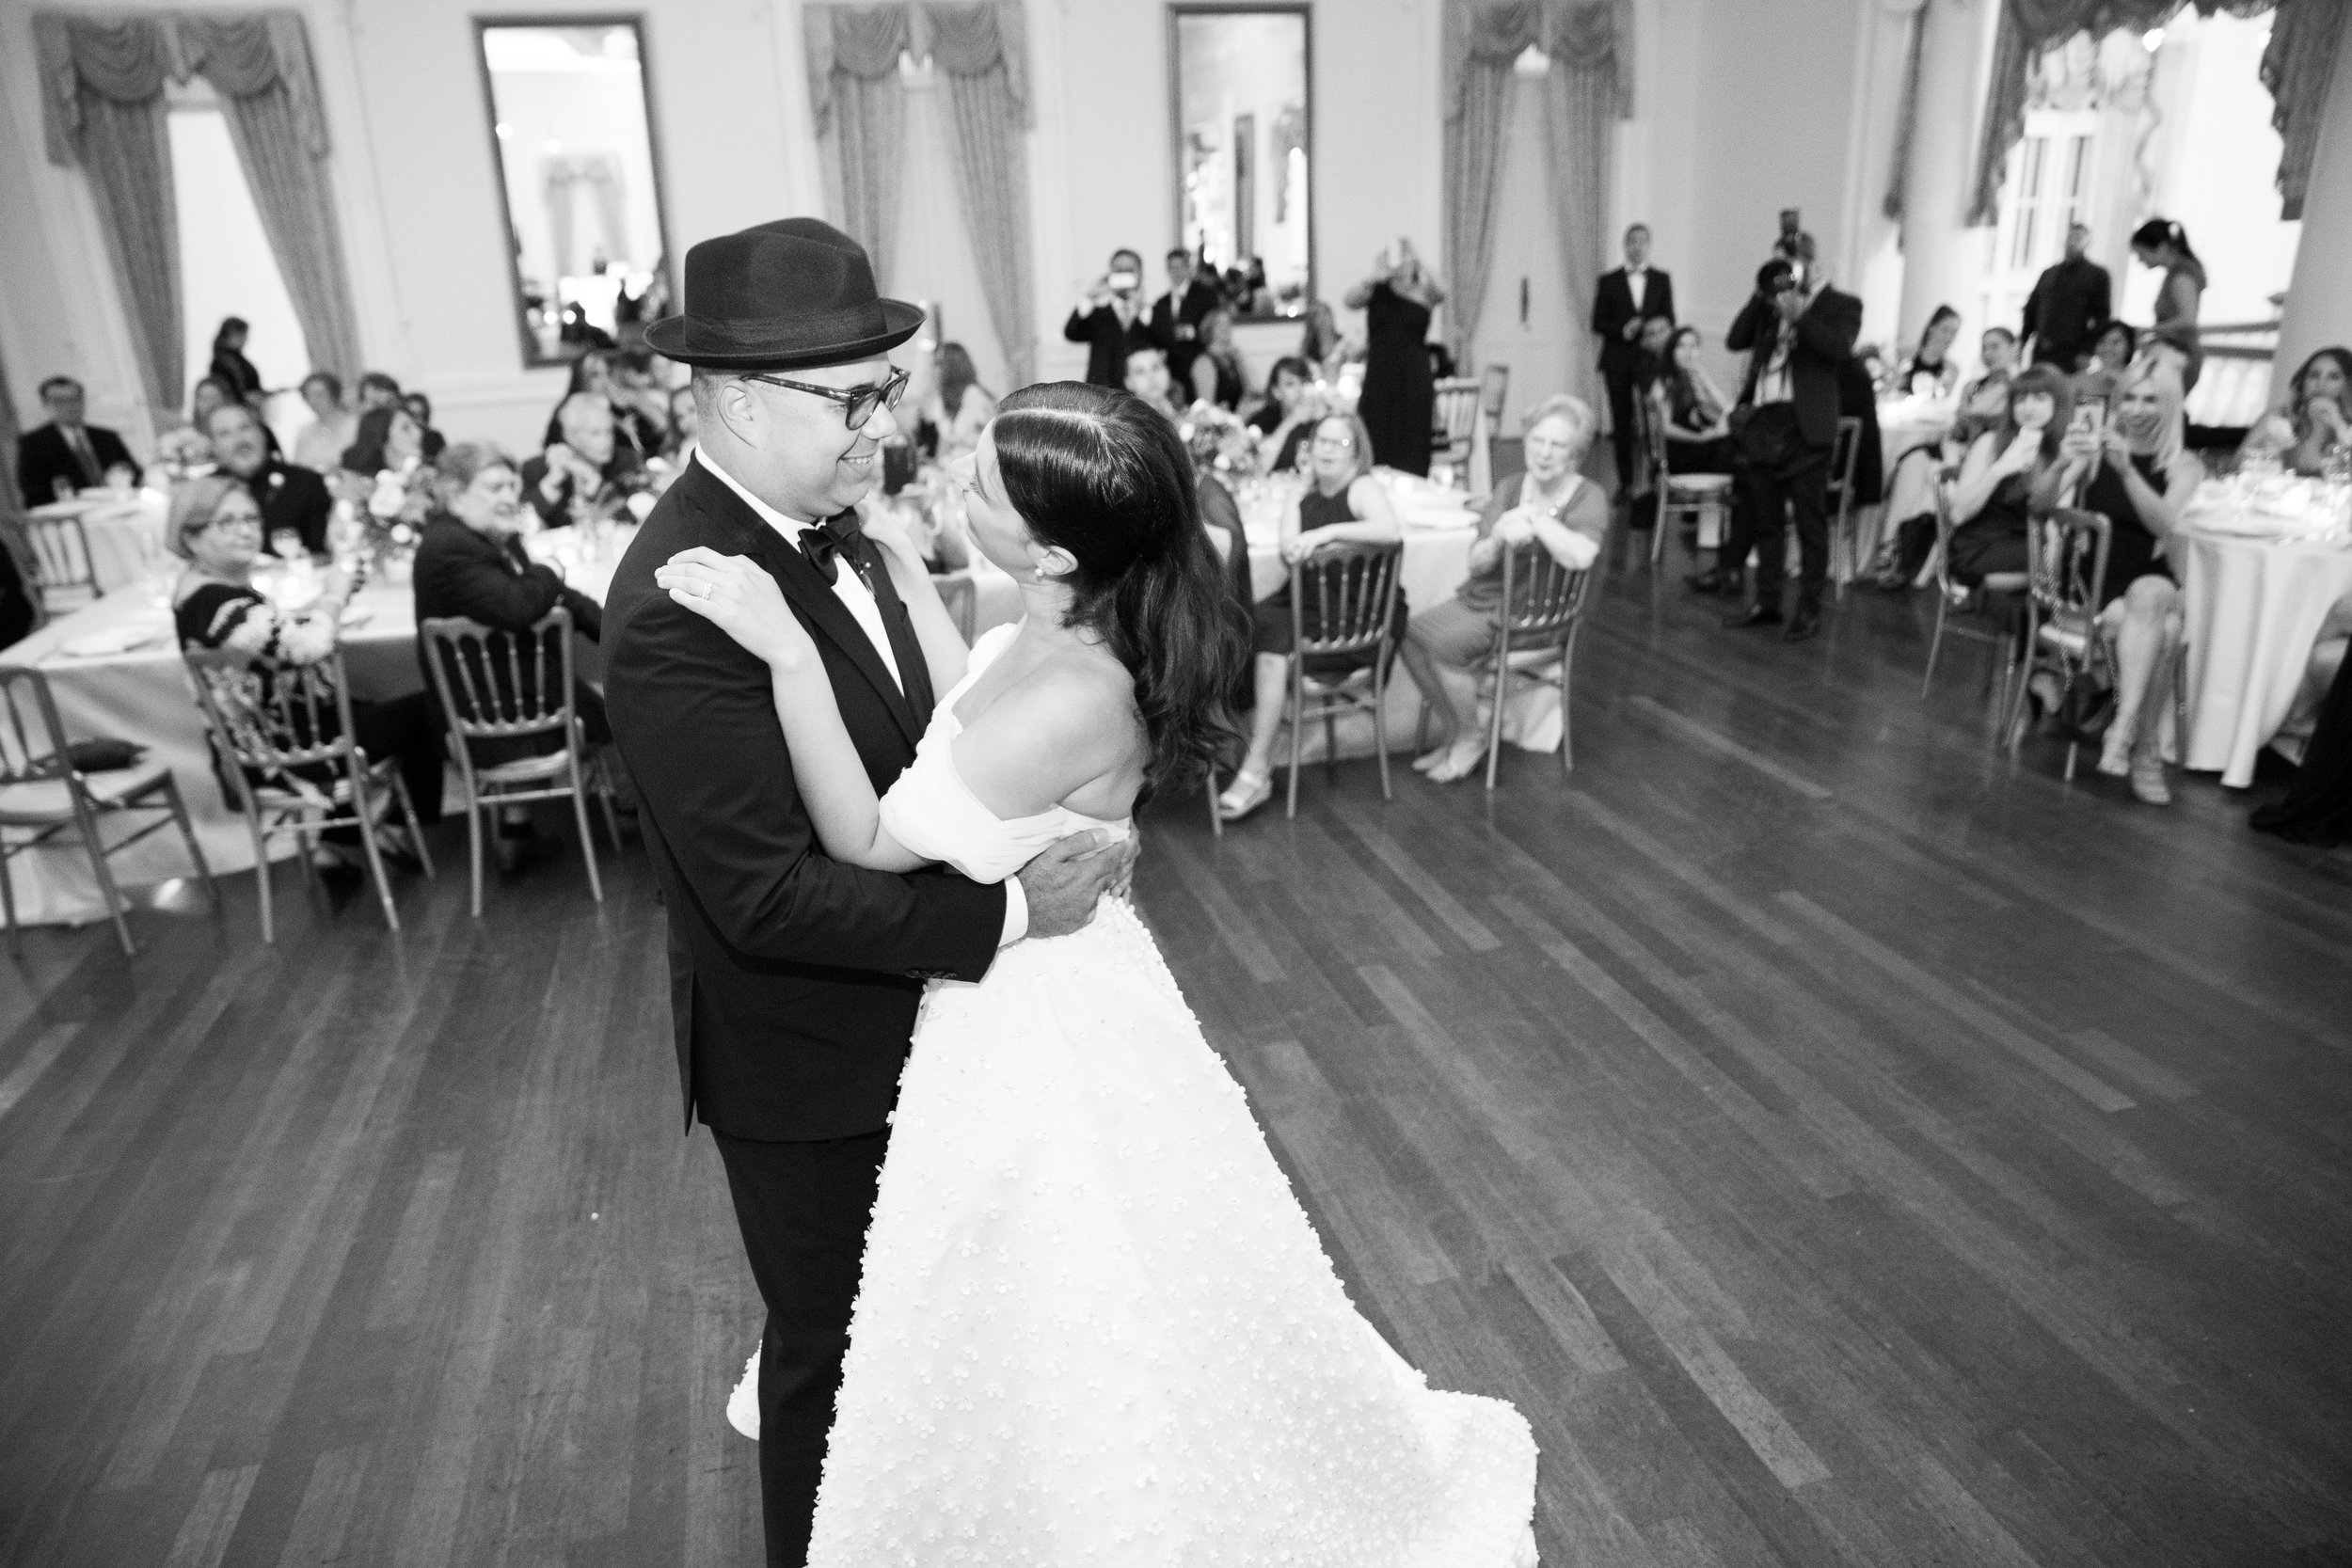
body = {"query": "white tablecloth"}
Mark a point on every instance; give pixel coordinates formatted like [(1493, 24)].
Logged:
[(2252, 607), (1903, 424)]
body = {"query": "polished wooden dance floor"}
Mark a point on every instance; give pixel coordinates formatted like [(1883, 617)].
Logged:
[(1847, 1145)]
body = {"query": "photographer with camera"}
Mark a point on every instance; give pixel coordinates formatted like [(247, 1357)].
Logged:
[(1109, 319)]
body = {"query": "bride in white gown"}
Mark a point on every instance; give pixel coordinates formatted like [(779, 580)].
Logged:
[(1094, 1327)]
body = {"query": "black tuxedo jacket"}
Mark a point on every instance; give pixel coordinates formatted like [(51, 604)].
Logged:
[(1169, 315), (794, 979), (1825, 339), (42, 455), (294, 497), (1612, 307), (1108, 343)]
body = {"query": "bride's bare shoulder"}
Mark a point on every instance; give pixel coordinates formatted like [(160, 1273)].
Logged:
[(1061, 724)]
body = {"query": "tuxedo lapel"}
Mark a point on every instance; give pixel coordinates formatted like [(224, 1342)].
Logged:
[(820, 610), (914, 670)]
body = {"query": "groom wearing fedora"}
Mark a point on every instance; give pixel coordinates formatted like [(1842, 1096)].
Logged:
[(794, 979)]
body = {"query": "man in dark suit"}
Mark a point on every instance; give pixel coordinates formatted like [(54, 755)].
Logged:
[(794, 979), (1798, 334), (1111, 320), (2068, 305), (294, 498), (1177, 315), (1624, 299), (590, 474), (65, 449)]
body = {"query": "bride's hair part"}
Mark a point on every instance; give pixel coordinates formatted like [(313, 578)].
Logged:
[(1095, 471)]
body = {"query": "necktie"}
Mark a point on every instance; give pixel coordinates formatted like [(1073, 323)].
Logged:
[(78, 439)]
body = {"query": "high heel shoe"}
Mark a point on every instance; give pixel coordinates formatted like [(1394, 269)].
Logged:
[(1245, 794), (2148, 785)]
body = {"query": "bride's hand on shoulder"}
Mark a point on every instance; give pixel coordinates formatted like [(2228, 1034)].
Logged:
[(740, 598), (887, 526)]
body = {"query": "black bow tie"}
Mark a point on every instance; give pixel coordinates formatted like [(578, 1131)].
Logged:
[(824, 543)]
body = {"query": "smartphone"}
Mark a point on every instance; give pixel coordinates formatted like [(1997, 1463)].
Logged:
[(1124, 280), (2089, 416)]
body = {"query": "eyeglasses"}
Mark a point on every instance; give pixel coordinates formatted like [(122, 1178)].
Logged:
[(857, 403), (1335, 443), (224, 519)]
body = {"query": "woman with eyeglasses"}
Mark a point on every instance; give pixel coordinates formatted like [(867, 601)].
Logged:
[(216, 526), (1343, 505)]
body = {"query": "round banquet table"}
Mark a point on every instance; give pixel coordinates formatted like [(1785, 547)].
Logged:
[(2251, 608), (115, 671)]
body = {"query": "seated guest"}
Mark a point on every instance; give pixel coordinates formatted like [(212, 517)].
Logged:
[(377, 390), (216, 526), (1321, 344), (958, 407), (1111, 319), (2316, 419), (2139, 475), (67, 455), (389, 440), (1991, 503), (210, 393), (626, 385), (295, 500), (2317, 806), (1929, 373), (1148, 378), (430, 441), (1693, 411), (1216, 372), (1345, 502), (1550, 503), (586, 475), (2114, 346), (1983, 399), (332, 426), (229, 366), (685, 427), (470, 562), (1287, 416)]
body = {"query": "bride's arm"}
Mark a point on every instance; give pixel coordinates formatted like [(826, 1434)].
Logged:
[(744, 602)]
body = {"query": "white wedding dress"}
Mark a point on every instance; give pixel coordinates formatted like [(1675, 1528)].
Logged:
[(1095, 1327)]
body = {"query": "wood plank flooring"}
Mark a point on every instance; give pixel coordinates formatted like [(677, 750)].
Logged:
[(1846, 1144)]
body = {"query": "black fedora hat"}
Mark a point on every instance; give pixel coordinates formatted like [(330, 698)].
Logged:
[(782, 295)]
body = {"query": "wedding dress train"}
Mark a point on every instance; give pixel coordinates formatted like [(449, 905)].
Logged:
[(1095, 1326)]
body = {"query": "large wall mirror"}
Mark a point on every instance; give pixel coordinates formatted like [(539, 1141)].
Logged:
[(1243, 115), (573, 132)]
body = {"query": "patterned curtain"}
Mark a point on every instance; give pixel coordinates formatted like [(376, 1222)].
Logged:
[(980, 50), (1588, 89), (861, 117), (2297, 67), (103, 108)]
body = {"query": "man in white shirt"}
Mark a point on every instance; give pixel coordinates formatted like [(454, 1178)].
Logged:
[(795, 978)]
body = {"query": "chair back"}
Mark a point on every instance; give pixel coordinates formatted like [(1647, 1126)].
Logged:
[(1457, 417), (272, 718), (1541, 598), (1940, 487), (1650, 418), (497, 685), (54, 552), (32, 739), (1843, 455), (2066, 566), (1353, 589), (1494, 386)]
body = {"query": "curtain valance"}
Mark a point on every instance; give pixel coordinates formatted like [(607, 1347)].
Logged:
[(2297, 67), (1581, 35), (129, 57)]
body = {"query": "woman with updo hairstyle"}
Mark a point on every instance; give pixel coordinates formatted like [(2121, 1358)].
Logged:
[(2163, 244)]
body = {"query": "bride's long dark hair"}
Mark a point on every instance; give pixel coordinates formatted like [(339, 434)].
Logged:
[(1095, 471)]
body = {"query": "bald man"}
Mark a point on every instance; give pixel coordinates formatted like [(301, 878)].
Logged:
[(587, 474)]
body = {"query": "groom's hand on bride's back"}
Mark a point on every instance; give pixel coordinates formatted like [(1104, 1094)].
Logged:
[(1063, 883)]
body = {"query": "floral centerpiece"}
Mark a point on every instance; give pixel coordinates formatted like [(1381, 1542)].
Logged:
[(1219, 442), (381, 520), (182, 452)]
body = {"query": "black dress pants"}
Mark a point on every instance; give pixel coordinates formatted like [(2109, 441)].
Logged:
[(1781, 475), (1624, 434), (803, 1209)]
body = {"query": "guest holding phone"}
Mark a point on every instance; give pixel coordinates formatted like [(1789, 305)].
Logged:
[(1400, 395), (1110, 320)]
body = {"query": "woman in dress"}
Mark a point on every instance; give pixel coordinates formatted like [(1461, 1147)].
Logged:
[(2163, 244), (2316, 422), (1343, 503), (1552, 503), (1287, 416), (1077, 1221), (1400, 395), (1693, 411), (1929, 373), (1218, 375), (2137, 474), (961, 407), (1991, 501), (215, 527), (229, 367)]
